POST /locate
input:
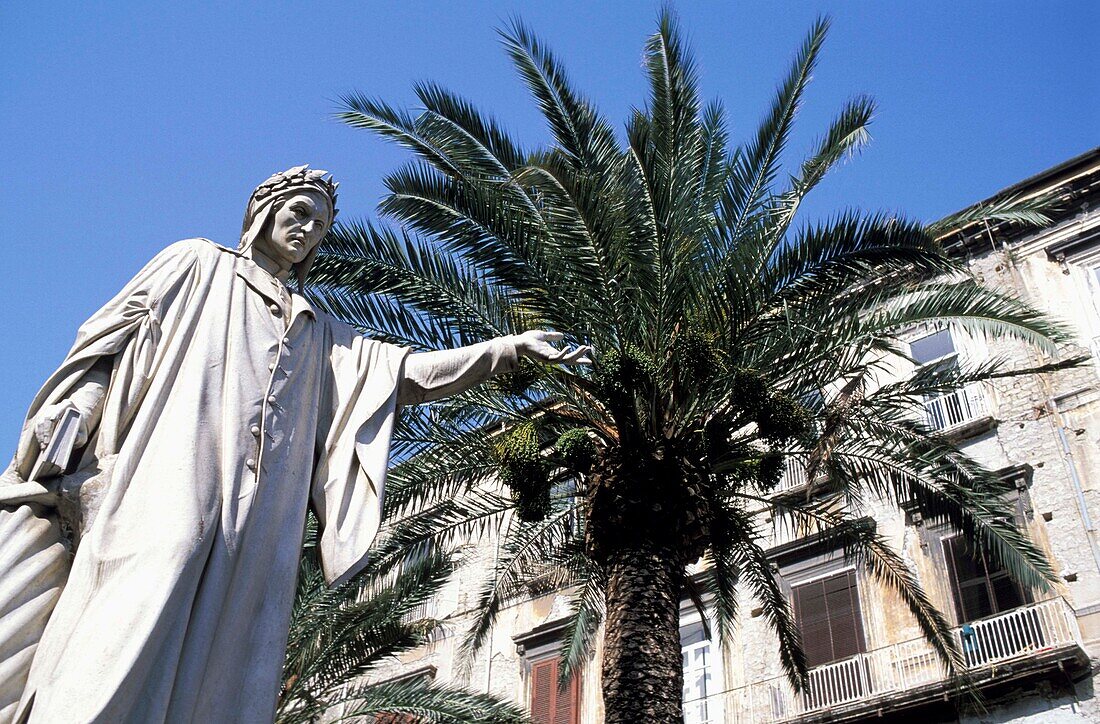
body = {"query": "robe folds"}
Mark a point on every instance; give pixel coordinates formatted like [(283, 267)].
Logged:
[(232, 406)]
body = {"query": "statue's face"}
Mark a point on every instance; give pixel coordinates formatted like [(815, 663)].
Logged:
[(298, 226)]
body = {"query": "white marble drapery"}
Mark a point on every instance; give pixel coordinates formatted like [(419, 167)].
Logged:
[(232, 405)]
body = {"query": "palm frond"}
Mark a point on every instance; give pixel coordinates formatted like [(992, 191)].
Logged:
[(738, 539), (586, 614), (755, 169), (1027, 211), (428, 703)]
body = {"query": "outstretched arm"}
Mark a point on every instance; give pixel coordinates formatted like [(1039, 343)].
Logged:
[(432, 375)]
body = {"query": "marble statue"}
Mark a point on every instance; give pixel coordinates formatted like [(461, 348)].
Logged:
[(215, 404)]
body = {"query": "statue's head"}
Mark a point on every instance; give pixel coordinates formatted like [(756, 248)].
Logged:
[(288, 215)]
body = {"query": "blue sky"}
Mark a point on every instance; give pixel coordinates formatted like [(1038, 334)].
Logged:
[(127, 126)]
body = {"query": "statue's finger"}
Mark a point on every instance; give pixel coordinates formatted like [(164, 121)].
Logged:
[(578, 355), (548, 336)]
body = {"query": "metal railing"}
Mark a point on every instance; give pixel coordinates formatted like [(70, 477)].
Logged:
[(956, 408), (428, 609), (794, 474), (904, 666)]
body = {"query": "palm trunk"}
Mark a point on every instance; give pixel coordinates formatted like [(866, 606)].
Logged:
[(643, 678)]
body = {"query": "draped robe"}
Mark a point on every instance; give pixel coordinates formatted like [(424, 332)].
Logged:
[(228, 412)]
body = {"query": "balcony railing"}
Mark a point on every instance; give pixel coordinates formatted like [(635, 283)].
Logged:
[(795, 474), (956, 408), (428, 609), (893, 670)]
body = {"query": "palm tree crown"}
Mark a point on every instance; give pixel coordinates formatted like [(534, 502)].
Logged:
[(732, 343)]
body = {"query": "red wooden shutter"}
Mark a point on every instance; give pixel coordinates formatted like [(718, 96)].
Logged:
[(544, 676), (549, 704), (828, 616), (567, 706)]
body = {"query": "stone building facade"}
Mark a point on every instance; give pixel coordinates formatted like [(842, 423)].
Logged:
[(1032, 654)]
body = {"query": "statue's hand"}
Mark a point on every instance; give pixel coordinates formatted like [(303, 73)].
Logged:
[(46, 422), (536, 344)]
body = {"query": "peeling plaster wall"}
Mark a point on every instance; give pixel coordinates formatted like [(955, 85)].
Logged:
[(1042, 706)]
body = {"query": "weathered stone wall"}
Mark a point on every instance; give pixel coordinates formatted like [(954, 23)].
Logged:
[(1042, 705), (1031, 432)]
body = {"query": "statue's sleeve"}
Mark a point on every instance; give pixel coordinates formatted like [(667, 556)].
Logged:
[(431, 375), (359, 410), (127, 329)]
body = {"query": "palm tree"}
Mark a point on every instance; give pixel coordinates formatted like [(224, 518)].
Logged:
[(731, 342), (337, 635)]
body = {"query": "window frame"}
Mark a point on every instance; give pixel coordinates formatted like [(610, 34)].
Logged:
[(542, 646), (931, 536), (814, 558), (954, 357), (961, 617), (690, 615), (572, 693)]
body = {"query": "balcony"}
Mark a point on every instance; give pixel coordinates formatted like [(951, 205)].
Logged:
[(958, 412), (795, 475), (430, 609), (1025, 641)]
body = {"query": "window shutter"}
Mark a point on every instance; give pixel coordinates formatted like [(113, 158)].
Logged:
[(567, 704), (828, 616), (846, 622), (549, 704), (813, 623), (544, 676)]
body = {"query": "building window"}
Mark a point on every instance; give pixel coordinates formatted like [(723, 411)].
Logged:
[(1092, 284), (1092, 322), (823, 588), (701, 672), (935, 348), (828, 616), (548, 703), (551, 704), (939, 350), (979, 586)]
